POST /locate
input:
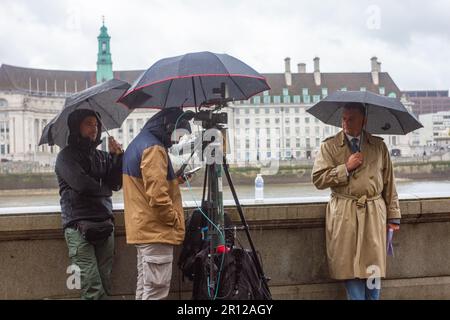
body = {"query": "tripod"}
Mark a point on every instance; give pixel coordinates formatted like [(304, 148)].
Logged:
[(212, 203)]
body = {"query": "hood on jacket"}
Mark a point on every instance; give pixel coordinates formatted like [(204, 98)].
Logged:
[(74, 121), (163, 123)]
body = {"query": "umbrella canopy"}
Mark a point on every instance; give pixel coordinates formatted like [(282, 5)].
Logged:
[(100, 98), (192, 80), (384, 115)]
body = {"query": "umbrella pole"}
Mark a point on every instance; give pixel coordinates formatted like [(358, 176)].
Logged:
[(363, 127)]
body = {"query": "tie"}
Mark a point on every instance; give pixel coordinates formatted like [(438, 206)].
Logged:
[(354, 145)]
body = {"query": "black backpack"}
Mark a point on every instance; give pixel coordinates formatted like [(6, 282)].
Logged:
[(196, 239), (239, 279)]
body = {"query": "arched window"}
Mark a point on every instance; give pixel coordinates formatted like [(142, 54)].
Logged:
[(392, 95), (3, 103)]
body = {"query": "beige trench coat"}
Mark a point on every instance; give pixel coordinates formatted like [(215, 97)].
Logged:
[(359, 207)]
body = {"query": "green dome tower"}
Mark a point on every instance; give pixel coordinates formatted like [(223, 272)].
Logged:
[(104, 62)]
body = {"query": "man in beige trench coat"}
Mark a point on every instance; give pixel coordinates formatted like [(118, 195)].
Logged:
[(357, 168)]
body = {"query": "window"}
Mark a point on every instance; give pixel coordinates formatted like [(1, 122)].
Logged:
[(288, 154), (324, 92), (392, 95), (317, 142), (296, 99), (305, 91), (306, 99), (266, 93), (277, 110), (307, 131), (247, 111), (286, 110), (247, 131), (286, 99), (266, 99), (306, 119), (257, 121), (297, 154), (297, 110), (267, 121), (104, 47), (266, 110), (316, 120), (316, 98), (268, 155), (288, 131), (288, 143), (276, 99), (3, 103), (297, 142), (344, 89), (362, 89), (268, 143), (236, 111), (277, 132), (277, 120), (256, 110), (317, 129), (247, 144), (297, 131), (237, 122), (382, 91), (308, 142), (297, 120), (268, 131), (285, 91), (257, 133), (247, 121), (257, 100), (286, 120)]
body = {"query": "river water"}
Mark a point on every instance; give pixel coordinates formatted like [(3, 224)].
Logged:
[(35, 198)]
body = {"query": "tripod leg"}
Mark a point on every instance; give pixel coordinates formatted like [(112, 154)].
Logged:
[(244, 222)]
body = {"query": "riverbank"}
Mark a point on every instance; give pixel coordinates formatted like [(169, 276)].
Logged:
[(426, 171)]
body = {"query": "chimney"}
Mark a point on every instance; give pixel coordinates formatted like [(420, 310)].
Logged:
[(317, 79), (287, 71), (375, 70), (301, 67)]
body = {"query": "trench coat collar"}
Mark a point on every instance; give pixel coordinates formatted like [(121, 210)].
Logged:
[(366, 136)]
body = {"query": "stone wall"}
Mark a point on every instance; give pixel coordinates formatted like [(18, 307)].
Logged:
[(290, 238)]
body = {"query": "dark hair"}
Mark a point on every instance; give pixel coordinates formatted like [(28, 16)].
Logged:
[(355, 106)]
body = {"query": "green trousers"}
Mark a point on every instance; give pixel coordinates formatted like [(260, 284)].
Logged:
[(95, 263)]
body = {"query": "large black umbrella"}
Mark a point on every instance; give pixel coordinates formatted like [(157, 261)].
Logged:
[(193, 80), (384, 115), (100, 98)]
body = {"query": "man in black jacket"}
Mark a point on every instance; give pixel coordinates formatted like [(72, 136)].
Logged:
[(86, 178)]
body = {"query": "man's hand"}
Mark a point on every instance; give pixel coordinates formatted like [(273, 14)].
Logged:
[(182, 179), (114, 146), (354, 161)]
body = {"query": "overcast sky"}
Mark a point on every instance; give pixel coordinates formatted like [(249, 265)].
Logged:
[(410, 38)]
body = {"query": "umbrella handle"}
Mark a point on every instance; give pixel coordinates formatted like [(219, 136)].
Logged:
[(107, 132)]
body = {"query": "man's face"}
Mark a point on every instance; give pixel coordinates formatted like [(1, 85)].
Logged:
[(89, 128), (352, 122)]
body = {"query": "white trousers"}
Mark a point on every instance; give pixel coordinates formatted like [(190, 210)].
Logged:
[(154, 266)]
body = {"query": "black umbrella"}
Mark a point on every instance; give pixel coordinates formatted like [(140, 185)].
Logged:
[(384, 115), (194, 80), (100, 98)]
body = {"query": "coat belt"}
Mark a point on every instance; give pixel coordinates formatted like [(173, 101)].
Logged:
[(360, 202)]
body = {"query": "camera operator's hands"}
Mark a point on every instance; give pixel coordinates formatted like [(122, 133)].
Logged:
[(182, 179)]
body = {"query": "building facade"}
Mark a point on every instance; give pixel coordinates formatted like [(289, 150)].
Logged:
[(271, 125)]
